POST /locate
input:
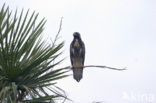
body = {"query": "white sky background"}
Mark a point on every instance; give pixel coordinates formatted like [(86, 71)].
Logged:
[(117, 33)]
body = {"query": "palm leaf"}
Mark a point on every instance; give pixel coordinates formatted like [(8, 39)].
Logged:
[(26, 68)]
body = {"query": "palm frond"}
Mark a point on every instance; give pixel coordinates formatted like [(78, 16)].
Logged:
[(26, 67)]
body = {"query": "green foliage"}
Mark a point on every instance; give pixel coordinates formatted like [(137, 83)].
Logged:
[(26, 68)]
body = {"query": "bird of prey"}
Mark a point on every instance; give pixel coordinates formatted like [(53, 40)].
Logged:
[(77, 56)]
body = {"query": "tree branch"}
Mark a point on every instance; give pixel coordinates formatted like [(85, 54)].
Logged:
[(57, 35), (98, 66)]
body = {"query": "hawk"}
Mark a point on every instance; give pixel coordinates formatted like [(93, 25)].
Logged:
[(77, 56)]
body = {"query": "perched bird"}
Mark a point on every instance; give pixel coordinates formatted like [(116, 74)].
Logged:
[(77, 56)]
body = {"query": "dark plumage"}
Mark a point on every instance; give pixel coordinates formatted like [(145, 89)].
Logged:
[(77, 56)]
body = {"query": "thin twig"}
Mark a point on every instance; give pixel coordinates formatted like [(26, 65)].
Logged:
[(104, 67), (57, 35), (98, 66), (60, 27)]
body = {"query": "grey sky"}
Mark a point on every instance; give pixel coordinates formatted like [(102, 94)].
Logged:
[(117, 33)]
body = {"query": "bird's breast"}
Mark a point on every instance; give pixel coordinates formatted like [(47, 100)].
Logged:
[(76, 44)]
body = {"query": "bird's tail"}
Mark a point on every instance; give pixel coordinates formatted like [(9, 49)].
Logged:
[(77, 73)]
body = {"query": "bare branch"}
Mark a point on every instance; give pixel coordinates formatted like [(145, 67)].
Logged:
[(57, 35), (104, 67), (60, 27), (98, 66)]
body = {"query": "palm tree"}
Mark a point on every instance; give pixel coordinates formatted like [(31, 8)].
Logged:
[(26, 60)]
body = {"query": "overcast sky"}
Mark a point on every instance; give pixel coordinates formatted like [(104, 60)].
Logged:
[(117, 33)]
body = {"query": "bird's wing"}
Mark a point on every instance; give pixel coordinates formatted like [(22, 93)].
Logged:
[(71, 52), (82, 52)]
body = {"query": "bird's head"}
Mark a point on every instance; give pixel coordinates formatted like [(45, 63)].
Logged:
[(77, 35)]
